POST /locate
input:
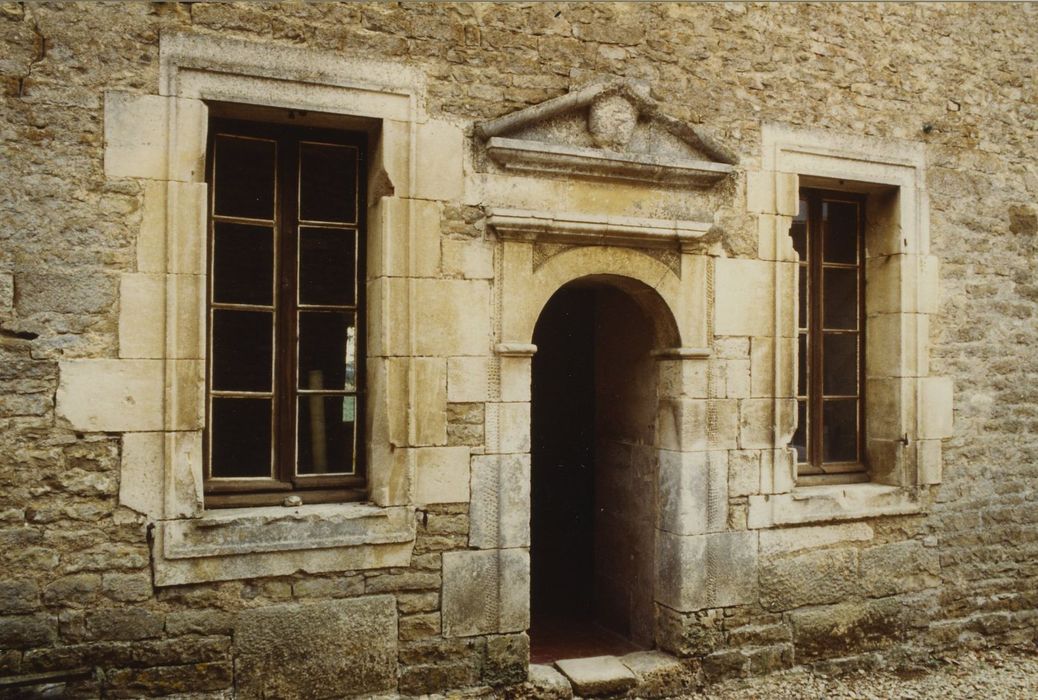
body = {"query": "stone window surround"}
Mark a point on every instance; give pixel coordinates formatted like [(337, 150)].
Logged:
[(153, 393), (908, 410)]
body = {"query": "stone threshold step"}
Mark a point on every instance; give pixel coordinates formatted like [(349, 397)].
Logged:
[(644, 674)]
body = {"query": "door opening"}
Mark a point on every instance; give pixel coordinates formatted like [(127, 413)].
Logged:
[(593, 475)]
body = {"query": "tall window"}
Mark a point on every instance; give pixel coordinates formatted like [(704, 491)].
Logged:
[(828, 234), (285, 307)]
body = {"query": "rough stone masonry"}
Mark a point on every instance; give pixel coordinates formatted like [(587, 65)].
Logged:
[(654, 151)]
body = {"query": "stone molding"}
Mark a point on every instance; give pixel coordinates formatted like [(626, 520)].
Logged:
[(572, 161), (590, 229), (911, 410)]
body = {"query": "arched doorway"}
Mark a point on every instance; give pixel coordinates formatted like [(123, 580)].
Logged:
[(594, 468)]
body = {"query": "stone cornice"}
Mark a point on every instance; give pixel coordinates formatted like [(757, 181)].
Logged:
[(555, 159), (587, 229)]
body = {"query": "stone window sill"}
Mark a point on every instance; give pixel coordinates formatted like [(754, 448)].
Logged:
[(238, 543), (811, 504)]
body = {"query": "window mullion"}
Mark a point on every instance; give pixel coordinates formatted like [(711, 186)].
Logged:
[(286, 355)]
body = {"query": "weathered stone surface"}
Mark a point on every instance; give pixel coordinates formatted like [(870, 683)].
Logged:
[(18, 596), (901, 567), (20, 631), (814, 577), (597, 675), (548, 683), (822, 632), (124, 624), (659, 675), (317, 649)]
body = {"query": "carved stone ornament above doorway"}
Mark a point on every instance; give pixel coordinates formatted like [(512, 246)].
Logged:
[(610, 130)]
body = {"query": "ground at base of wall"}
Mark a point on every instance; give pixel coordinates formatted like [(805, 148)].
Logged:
[(1009, 673)]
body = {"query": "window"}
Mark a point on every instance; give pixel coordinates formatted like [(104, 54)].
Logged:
[(285, 313), (828, 235)]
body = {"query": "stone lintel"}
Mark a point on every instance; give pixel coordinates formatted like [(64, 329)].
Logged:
[(575, 161), (589, 229)]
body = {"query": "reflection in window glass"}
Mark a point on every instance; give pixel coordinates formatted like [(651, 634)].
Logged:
[(326, 434)]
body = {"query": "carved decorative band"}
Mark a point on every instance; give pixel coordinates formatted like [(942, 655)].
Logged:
[(540, 157), (586, 229)]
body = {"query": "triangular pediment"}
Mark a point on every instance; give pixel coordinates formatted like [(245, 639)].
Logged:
[(611, 130)]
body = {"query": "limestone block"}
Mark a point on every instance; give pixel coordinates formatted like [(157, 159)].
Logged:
[(597, 675), (935, 408), (429, 412), (440, 158), (762, 367), (442, 475), (682, 425), (393, 153), (892, 408), (141, 473), (6, 290), (182, 481), (156, 138), (693, 488), (929, 461), (186, 308), (514, 585), (548, 683), (136, 135), (388, 317), (387, 389), (454, 318), (467, 379), (499, 512), (723, 424), (394, 223), (760, 192), (899, 567), (187, 233), (111, 395), (151, 237), (485, 592), (789, 540), (512, 426), (706, 571), (777, 470), (902, 284), (684, 378), (773, 239), (185, 395), (142, 315), (468, 259), (810, 578), (745, 297), (787, 194), (897, 345), (737, 379), (334, 648), (516, 375), (756, 423), (659, 675), (744, 473)]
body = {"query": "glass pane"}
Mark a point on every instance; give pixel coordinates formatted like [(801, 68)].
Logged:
[(327, 350), (243, 264), (840, 223), (244, 180), (803, 298), (840, 299), (327, 183), (327, 260), (840, 430), (240, 433), (802, 356), (326, 427), (800, 436), (242, 344), (840, 363)]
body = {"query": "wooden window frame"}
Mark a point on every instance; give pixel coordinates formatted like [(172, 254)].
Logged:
[(815, 471), (222, 492)]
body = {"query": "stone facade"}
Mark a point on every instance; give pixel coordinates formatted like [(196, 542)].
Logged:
[(654, 150)]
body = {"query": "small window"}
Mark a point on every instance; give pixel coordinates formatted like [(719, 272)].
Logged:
[(285, 314), (828, 234)]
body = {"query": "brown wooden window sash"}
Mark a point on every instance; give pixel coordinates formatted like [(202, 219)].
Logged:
[(285, 308), (828, 233)]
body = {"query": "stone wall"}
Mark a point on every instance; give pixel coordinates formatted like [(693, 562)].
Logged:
[(76, 563)]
